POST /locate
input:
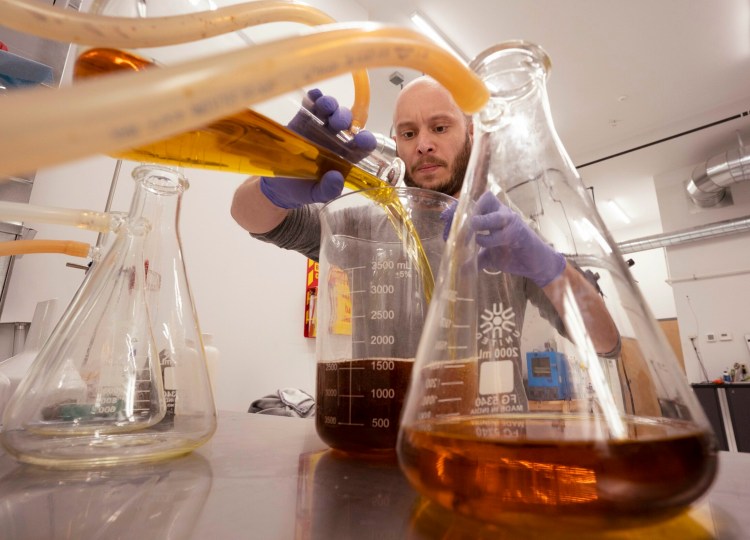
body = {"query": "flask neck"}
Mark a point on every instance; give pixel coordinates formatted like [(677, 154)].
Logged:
[(158, 194), (519, 151)]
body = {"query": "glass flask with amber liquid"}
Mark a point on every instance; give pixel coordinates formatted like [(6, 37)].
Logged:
[(558, 398), (247, 142), (122, 379)]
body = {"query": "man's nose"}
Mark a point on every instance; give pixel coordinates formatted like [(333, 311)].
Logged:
[(425, 144)]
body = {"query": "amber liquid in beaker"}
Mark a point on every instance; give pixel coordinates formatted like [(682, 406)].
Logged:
[(468, 465), (359, 403)]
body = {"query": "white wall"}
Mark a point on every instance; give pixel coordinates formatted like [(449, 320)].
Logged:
[(708, 302), (650, 271), (248, 294)]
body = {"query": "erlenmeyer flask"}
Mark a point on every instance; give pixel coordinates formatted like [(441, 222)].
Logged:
[(190, 410), (95, 394), (549, 413)]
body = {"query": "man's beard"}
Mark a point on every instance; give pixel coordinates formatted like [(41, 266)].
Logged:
[(453, 184)]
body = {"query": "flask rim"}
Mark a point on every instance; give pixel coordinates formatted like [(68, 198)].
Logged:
[(160, 179), (517, 45), (536, 57)]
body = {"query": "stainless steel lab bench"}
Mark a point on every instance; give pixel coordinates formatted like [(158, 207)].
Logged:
[(269, 477)]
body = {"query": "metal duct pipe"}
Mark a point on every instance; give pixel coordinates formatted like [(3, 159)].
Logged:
[(702, 232), (709, 181)]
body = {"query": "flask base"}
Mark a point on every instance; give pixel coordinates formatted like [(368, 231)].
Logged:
[(103, 450), (489, 468)]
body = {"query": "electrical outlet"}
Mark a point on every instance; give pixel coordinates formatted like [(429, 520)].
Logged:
[(725, 336), (747, 341), (710, 337)]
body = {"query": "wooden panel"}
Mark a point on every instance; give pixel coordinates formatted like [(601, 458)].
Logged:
[(672, 332), (638, 389)]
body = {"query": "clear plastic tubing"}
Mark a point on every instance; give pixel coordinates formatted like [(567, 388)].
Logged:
[(82, 219), (104, 31), (121, 111), (66, 247)]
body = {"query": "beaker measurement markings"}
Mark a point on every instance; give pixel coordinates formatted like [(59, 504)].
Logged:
[(382, 314), (451, 383), (382, 288), (449, 400)]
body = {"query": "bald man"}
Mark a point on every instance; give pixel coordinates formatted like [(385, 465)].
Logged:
[(433, 138)]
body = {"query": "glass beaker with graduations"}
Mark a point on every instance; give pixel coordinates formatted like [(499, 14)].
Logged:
[(559, 396), (95, 394), (375, 282)]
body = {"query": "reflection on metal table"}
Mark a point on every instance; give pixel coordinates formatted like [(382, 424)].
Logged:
[(269, 477)]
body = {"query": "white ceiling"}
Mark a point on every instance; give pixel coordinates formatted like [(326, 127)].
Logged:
[(624, 74)]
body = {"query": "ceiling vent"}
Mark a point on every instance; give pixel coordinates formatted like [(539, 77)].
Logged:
[(710, 180)]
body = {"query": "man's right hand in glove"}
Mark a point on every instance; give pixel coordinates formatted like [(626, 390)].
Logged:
[(293, 193), (261, 203)]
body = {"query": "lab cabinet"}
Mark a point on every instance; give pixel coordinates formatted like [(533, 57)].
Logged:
[(708, 396), (738, 403), (727, 407)]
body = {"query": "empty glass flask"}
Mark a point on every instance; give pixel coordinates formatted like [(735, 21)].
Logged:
[(123, 376), (542, 383)]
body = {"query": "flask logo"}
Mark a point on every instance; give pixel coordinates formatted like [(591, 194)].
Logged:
[(497, 320)]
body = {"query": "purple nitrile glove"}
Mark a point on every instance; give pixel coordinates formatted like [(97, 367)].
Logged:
[(509, 245), (319, 120), (292, 193)]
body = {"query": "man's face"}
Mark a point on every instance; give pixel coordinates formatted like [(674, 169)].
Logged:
[(432, 138)]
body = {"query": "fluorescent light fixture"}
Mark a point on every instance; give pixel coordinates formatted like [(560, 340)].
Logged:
[(615, 210), (435, 34)]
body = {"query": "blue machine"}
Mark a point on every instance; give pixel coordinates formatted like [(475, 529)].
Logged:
[(548, 376)]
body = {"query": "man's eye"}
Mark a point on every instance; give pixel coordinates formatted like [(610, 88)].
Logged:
[(441, 129), (407, 134)]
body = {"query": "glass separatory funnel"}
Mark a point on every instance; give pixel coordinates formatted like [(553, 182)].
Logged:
[(123, 377), (542, 384)]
